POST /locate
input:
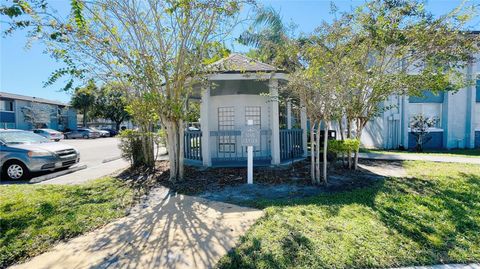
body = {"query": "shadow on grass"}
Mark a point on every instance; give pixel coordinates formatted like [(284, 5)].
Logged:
[(426, 221), (33, 218)]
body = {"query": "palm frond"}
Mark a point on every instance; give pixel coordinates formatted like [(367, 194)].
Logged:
[(269, 17), (248, 38)]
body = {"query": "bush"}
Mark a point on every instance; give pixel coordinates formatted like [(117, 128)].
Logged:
[(161, 138), (343, 146), (420, 125), (138, 147)]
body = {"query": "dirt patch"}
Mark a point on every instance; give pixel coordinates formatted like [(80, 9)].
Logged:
[(286, 182), (384, 168)]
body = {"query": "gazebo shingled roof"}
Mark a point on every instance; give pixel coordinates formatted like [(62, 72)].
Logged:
[(238, 63)]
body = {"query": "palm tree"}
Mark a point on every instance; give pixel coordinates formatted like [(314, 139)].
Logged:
[(83, 99), (269, 37)]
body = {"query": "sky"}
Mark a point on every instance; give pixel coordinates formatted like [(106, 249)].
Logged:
[(24, 70)]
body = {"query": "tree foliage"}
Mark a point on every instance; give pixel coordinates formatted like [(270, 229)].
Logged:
[(36, 115), (159, 47), (421, 126), (83, 99), (399, 48), (111, 104), (383, 48), (271, 39)]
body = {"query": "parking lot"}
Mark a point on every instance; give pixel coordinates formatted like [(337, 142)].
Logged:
[(95, 151), (98, 157), (101, 154)]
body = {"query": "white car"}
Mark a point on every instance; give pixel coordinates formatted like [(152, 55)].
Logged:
[(49, 134)]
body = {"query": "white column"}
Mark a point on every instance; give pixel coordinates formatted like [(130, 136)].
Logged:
[(303, 124), (275, 124), (250, 159), (205, 126), (289, 115)]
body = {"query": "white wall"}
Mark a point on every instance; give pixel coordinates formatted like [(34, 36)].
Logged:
[(239, 102), (457, 113), (373, 135), (427, 109)]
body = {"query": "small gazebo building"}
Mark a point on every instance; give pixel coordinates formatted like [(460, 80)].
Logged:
[(242, 89)]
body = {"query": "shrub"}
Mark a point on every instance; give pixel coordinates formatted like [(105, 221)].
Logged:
[(420, 126), (161, 138), (343, 146), (132, 143)]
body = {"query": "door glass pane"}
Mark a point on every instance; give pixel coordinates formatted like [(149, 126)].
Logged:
[(253, 113), (226, 121)]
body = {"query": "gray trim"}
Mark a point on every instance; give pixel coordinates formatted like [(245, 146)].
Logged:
[(14, 96)]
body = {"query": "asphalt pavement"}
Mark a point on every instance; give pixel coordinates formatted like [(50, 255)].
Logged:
[(98, 158), (94, 152)]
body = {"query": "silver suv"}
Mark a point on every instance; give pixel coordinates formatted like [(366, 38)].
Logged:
[(22, 152)]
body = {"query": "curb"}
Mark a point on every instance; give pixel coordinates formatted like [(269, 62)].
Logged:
[(107, 160), (57, 174)]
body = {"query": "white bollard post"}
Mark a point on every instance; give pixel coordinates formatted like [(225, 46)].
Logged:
[(250, 160)]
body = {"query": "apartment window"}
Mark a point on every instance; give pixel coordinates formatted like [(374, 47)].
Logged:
[(429, 110), (427, 97), (6, 105), (253, 113), (226, 122)]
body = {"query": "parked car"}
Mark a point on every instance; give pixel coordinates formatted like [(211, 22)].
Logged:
[(111, 131), (102, 132), (23, 152), (193, 128), (49, 134), (82, 133)]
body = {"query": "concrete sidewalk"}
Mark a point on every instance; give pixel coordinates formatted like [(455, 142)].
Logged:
[(418, 157), (165, 231), (446, 266)]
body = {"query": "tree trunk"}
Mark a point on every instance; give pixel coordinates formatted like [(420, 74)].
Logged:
[(117, 126), (175, 148), (85, 117), (340, 126), (181, 139), (317, 163), (355, 160), (325, 148), (349, 135), (360, 126), (146, 139), (342, 136), (312, 151)]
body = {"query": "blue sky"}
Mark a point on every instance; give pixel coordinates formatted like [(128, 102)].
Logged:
[(23, 71)]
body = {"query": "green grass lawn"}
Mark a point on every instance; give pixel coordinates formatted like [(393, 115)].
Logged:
[(34, 217), (471, 153), (432, 218)]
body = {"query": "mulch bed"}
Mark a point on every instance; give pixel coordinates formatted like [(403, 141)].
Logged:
[(198, 180)]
